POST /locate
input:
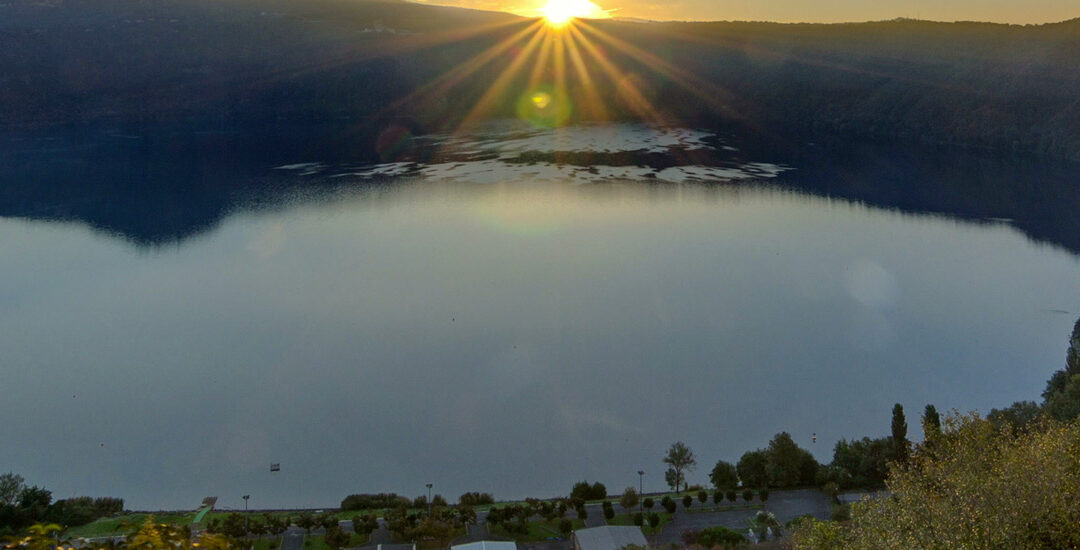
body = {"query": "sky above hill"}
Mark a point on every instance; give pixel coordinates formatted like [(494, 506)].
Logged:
[(824, 11)]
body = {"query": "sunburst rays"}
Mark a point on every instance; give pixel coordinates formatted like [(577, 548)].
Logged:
[(556, 74)]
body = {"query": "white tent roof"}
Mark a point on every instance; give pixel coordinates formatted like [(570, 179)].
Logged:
[(486, 545), (609, 537)]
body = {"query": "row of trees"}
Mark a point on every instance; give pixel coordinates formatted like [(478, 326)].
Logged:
[(382, 501), (22, 505), (783, 464), (1061, 398), (1006, 481)]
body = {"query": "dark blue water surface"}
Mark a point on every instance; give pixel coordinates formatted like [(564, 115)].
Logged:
[(507, 311)]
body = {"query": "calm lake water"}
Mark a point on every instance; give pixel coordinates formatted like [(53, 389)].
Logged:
[(510, 311)]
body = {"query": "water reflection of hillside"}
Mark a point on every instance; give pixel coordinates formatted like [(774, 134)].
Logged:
[(153, 190)]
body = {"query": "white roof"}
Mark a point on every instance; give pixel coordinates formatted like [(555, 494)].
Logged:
[(486, 545), (609, 537)]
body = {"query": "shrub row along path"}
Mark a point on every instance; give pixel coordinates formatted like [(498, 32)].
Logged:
[(785, 505)]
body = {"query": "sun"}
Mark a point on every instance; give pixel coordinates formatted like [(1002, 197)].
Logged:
[(559, 12)]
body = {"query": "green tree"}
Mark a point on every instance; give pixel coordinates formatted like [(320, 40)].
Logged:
[(681, 459), (654, 520), (233, 526), (703, 496), (981, 487), (763, 494), (861, 463), (152, 535), (673, 480), (1064, 403), (11, 486), (1072, 354), (748, 495), (648, 503), (724, 475), (305, 521), (751, 468), (788, 465), (639, 520), (1018, 416), (629, 498), (609, 510), (336, 538), (731, 495), (565, 527), (902, 447), (687, 501), (931, 422), (717, 496)]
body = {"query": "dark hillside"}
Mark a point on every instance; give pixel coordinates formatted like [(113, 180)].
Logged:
[(229, 63)]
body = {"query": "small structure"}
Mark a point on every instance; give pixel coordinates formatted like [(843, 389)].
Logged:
[(486, 545), (609, 537), (405, 546)]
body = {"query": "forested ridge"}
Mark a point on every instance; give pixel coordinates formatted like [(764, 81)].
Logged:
[(227, 63)]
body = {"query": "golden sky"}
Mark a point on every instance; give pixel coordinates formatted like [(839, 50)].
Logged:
[(1001, 11)]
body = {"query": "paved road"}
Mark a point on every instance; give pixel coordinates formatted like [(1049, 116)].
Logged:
[(293, 539), (595, 516), (785, 505)]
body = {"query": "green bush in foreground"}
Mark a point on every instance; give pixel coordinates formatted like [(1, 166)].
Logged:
[(977, 486)]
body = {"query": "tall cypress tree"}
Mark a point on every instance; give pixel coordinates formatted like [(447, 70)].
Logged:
[(931, 422), (899, 434)]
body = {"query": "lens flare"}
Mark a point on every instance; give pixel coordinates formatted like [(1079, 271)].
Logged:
[(545, 106)]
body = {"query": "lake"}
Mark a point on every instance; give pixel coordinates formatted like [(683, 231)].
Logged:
[(510, 310)]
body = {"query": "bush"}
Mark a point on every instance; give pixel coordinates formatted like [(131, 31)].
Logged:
[(369, 502), (719, 536), (731, 495), (840, 512), (629, 498), (638, 519), (476, 499), (717, 497), (566, 527), (980, 486), (648, 503), (763, 494), (687, 501), (654, 520), (609, 510), (748, 495), (703, 496), (831, 490)]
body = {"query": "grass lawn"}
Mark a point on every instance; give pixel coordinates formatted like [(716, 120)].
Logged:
[(123, 524), (628, 519), (538, 530), (318, 542)]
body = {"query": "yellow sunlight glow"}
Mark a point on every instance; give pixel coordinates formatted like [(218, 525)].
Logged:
[(559, 12)]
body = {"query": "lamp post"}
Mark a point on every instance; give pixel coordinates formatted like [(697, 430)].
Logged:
[(641, 490), (246, 497), (429, 500)]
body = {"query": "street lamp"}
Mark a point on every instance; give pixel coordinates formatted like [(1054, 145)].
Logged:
[(641, 489), (429, 500), (246, 497)]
